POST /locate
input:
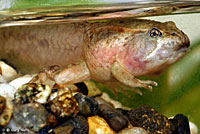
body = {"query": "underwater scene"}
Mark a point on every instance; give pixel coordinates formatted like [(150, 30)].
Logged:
[(100, 66)]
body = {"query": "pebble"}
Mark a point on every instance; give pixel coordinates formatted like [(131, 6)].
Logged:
[(152, 121), (32, 92), (64, 105), (75, 125), (6, 111), (181, 124), (116, 120), (20, 81), (65, 129), (133, 130), (193, 128), (52, 120), (7, 91), (80, 125), (7, 71), (88, 106), (98, 125), (2, 79), (31, 115), (68, 89)]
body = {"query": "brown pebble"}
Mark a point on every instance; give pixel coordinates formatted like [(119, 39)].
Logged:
[(52, 120), (73, 125), (116, 120), (64, 129)]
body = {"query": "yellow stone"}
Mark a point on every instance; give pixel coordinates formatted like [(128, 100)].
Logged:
[(98, 125)]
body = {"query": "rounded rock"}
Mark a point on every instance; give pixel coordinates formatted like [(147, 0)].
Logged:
[(52, 120), (21, 81), (32, 92), (58, 91), (64, 105), (6, 71), (75, 125), (2, 79), (7, 91), (31, 115), (88, 106), (116, 120), (152, 121), (133, 130), (181, 124), (193, 128), (98, 125), (64, 129)]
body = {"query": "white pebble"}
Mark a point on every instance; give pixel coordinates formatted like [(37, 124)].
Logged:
[(133, 130), (2, 79), (7, 71), (20, 81), (7, 91), (193, 128)]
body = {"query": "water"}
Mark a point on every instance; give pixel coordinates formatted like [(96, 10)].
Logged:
[(179, 85)]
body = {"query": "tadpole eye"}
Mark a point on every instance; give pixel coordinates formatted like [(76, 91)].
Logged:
[(154, 32)]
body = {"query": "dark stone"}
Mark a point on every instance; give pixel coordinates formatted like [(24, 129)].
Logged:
[(152, 121), (82, 87), (116, 120), (79, 123), (65, 129), (46, 130), (181, 124), (122, 111), (87, 105), (54, 90)]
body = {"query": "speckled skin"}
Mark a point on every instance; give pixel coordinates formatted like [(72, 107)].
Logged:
[(32, 48), (104, 51)]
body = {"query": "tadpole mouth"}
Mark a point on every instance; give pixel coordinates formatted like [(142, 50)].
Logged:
[(183, 49), (185, 44)]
